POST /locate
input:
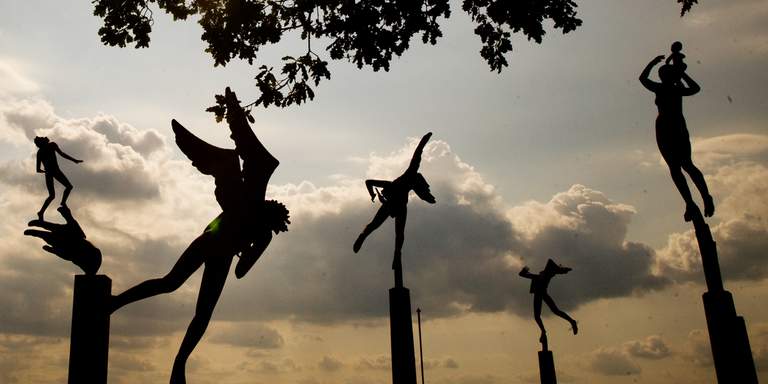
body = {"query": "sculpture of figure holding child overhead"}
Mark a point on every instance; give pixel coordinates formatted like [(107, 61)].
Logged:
[(671, 132)]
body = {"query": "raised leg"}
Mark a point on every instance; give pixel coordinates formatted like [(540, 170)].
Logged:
[(553, 307), (214, 277), (378, 219), (188, 263)]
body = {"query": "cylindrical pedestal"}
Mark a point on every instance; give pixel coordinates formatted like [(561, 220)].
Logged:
[(89, 342), (401, 336), (729, 340), (547, 368)]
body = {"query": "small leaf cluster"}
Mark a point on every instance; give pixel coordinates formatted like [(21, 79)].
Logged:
[(220, 109), (686, 6), (368, 33)]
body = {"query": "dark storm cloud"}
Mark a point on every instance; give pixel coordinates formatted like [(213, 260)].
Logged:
[(461, 255)]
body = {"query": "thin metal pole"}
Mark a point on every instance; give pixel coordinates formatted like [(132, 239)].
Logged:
[(421, 352)]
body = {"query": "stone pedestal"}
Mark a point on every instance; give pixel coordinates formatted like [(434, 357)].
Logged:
[(547, 367), (727, 331), (729, 341), (89, 341), (401, 336)]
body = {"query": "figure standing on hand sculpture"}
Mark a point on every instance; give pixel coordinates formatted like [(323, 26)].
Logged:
[(539, 284), (67, 241), (671, 132), (394, 201), (46, 156), (244, 227)]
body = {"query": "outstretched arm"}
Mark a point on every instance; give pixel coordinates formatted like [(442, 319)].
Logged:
[(370, 184), (693, 87), (416, 159), (525, 272), (68, 157), (648, 83)]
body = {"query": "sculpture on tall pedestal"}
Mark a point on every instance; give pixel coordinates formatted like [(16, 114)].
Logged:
[(728, 337), (539, 284), (89, 339), (394, 203)]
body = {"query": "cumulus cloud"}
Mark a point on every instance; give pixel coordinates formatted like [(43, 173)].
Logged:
[(458, 255), (739, 182), (613, 362), (115, 154), (652, 347), (698, 350)]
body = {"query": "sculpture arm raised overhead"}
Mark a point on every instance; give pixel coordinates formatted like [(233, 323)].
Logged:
[(648, 83), (413, 167)]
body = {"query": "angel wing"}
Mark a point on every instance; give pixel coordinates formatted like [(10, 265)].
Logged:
[(222, 164)]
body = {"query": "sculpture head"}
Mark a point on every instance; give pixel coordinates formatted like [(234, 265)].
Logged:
[(40, 141), (421, 187), (668, 74)]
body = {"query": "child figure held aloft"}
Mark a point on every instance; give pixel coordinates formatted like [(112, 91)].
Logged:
[(46, 156), (539, 284), (675, 58), (394, 201)]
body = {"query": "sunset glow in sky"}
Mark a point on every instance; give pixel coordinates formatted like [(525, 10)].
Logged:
[(553, 158)]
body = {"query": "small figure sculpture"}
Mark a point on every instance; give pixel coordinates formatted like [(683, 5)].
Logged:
[(394, 201), (67, 241), (675, 58), (672, 135), (539, 284), (46, 156), (244, 227)]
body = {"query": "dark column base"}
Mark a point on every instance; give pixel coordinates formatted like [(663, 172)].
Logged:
[(729, 340), (89, 342), (547, 368), (401, 336)]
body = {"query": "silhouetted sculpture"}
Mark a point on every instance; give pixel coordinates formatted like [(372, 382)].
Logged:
[(539, 284), (67, 241), (675, 58), (671, 131), (243, 228), (89, 340), (46, 156), (394, 202)]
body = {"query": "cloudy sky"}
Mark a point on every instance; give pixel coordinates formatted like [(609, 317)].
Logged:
[(553, 158)]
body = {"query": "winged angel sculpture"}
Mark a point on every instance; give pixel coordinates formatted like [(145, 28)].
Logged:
[(244, 228)]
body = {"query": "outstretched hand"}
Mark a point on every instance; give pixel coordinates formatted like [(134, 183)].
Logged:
[(67, 241), (657, 59)]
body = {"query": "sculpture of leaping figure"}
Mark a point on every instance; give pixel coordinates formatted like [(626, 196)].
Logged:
[(46, 156), (671, 132), (244, 228), (539, 284), (394, 201)]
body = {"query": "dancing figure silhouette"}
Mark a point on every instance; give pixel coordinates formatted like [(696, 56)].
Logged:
[(394, 201), (539, 284)]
